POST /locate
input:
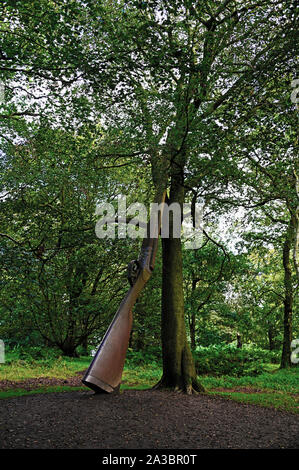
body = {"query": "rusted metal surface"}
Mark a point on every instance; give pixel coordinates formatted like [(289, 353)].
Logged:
[(105, 371)]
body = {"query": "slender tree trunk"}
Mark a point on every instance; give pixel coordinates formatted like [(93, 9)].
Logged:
[(288, 299), (139, 317), (85, 345), (271, 338), (193, 320), (130, 345), (239, 342), (192, 332), (296, 235)]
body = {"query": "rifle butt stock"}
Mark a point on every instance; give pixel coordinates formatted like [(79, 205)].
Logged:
[(105, 371)]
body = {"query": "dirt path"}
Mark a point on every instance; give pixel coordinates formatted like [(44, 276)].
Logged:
[(141, 420), (35, 383)]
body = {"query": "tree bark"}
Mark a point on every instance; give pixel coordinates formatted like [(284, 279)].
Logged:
[(179, 371), (288, 299), (271, 338)]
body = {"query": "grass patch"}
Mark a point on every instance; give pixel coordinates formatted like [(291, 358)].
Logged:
[(277, 389), (145, 376), (280, 401), (280, 380), (60, 368)]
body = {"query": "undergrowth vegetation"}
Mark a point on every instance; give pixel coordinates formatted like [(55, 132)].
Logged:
[(233, 361)]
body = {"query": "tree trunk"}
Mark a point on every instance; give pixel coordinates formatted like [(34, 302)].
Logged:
[(239, 342), (179, 371), (271, 338), (85, 345), (288, 299), (130, 345), (192, 332), (192, 321), (69, 350)]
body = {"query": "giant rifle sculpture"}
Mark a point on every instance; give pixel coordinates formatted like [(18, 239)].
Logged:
[(105, 371)]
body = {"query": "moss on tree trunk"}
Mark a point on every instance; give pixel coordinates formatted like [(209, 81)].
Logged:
[(179, 371)]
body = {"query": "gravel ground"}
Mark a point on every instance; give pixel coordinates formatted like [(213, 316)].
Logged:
[(141, 420)]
